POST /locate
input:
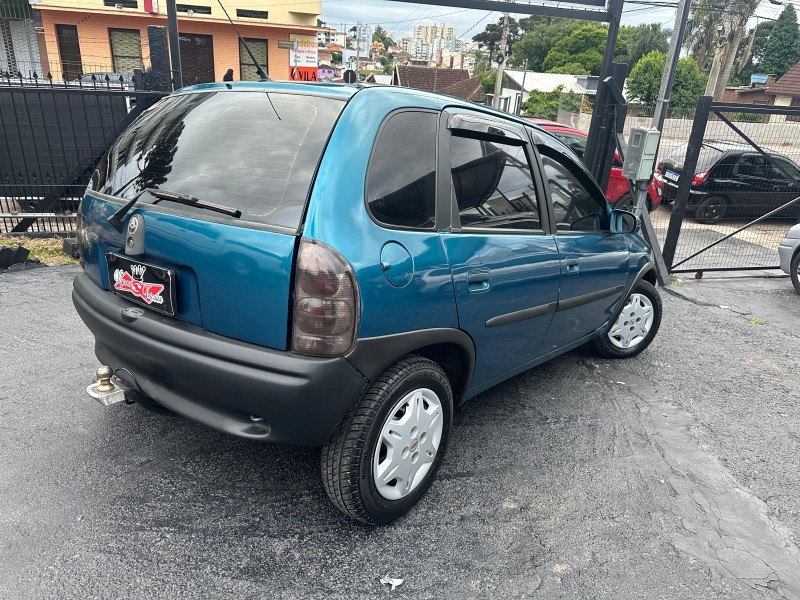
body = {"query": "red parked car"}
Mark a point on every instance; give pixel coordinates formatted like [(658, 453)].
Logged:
[(617, 191)]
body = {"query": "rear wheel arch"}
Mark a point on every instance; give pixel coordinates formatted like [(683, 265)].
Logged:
[(455, 363), (452, 349)]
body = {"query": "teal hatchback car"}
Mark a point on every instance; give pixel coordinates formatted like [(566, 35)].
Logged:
[(340, 266)]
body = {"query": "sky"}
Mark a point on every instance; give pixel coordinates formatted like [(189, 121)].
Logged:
[(401, 17)]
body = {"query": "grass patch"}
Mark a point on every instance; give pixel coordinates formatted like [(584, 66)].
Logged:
[(45, 250), (756, 321), (675, 280)]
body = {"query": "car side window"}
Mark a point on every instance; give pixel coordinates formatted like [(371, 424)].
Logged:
[(401, 185), (575, 143), (750, 165), (575, 207), (786, 166), (492, 185)]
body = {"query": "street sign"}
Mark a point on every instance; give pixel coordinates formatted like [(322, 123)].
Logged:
[(350, 76), (287, 44)]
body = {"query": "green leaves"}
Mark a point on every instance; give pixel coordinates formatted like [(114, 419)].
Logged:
[(645, 80), (782, 50)]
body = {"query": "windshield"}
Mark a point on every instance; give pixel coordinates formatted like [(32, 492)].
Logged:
[(251, 151)]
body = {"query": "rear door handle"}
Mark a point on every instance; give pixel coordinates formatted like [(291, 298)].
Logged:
[(478, 281)]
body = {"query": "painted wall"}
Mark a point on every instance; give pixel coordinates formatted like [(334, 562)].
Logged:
[(96, 49)]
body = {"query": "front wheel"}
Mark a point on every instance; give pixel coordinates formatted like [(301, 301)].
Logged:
[(794, 270), (387, 450), (636, 325)]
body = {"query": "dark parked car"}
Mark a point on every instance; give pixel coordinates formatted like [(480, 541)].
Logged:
[(339, 266), (731, 180)]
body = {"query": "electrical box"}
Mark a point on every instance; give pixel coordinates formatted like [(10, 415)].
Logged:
[(640, 155)]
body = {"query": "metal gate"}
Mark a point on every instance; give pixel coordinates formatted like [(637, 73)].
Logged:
[(51, 138), (734, 188)]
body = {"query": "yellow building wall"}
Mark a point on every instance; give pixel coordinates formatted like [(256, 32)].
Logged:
[(95, 46), (281, 12)]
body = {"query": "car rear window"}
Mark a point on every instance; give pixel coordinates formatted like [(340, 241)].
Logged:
[(706, 159), (250, 150)]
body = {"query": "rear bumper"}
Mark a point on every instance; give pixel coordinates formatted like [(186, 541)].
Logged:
[(218, 381)]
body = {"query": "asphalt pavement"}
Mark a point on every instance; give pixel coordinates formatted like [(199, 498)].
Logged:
[(671, 475)]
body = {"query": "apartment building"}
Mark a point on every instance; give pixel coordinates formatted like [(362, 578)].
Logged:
[(84, 36)]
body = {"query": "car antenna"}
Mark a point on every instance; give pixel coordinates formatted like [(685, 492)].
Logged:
[(262, 75)]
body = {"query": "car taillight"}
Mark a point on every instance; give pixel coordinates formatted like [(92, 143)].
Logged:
[(326, 302), (657, 174), (699, 178)]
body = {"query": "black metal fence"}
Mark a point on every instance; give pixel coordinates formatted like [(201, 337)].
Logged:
[(52, 134), (733, 188)]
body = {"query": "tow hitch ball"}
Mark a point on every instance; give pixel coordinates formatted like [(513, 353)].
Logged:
[(107, 389)]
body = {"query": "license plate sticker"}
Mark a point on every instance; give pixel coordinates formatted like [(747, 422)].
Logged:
[(149, 285), (672, 175)]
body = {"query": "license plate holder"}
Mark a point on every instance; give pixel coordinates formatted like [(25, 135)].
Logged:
[(142, 283)]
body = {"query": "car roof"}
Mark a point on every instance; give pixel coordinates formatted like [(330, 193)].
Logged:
[(559, 128), (348, 90)]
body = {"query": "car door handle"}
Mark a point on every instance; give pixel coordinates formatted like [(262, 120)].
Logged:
[(478, 281), (573, 266)]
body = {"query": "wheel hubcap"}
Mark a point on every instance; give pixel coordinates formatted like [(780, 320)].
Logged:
[(408, 444), (633, 323)]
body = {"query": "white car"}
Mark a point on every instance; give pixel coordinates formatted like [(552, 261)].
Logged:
[(789, 252)]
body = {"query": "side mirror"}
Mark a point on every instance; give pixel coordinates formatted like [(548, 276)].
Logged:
[(623, 221)]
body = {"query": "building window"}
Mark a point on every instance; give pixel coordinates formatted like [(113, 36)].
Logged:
[(69, 51), (247, 69), (121, 3), (198, 10), (252, 14), (126, 50)]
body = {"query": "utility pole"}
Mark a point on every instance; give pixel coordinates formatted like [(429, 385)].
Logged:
[(174, 45), (498, 85), (358, 48), (723, 31), (660, 113)]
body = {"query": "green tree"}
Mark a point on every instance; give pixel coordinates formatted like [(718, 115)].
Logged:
[(584, 47), (644, 81), (690, 84), (645, 77), (751, 52), (381, 35), (545, 105), (539, 40), (634, 41), (782, 50), (490, 37)]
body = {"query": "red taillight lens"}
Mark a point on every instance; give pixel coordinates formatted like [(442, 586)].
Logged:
[(699, 178), (326, 303)]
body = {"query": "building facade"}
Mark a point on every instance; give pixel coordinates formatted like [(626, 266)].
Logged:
[(110, 36)]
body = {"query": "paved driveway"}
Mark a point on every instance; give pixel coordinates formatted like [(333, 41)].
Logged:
[(672, 475)]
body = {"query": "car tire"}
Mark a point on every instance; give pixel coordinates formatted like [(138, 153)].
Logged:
[(625, 202), (710, 210), (794, 271), (636, 325), (381, 436)]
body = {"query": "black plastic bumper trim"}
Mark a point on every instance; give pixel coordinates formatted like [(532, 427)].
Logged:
[(587, 298), (218, 381), (521, 315)]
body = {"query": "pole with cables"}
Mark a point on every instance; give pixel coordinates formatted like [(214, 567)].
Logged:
[(500, 58)]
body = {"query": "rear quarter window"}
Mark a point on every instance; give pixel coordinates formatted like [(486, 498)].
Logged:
[(253, 150)]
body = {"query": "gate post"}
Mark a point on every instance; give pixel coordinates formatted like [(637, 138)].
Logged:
[(685, 183)]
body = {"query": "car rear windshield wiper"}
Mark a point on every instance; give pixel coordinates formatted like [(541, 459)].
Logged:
[(116, 219)]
